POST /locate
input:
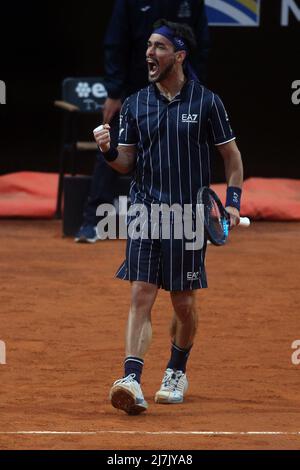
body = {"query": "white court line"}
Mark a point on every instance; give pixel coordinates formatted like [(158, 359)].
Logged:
[(189, 433)]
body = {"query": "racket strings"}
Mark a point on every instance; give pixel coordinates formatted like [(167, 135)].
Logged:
[(217, 224)]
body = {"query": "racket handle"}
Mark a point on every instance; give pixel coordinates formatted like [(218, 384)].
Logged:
[(244, 222)]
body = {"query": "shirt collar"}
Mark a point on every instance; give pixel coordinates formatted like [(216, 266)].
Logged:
[(181, 96)]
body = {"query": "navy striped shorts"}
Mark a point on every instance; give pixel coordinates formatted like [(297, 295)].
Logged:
[(164, 262)]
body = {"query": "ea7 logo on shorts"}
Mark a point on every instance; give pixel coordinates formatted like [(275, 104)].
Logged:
[(193, 276), (193, 118)]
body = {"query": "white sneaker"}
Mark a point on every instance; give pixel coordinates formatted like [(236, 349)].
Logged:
[(126, 394), (173, 387)]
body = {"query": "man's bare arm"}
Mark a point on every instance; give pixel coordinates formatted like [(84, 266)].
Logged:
[(233, 172), (125, 162), (232, 163), (125, 154)]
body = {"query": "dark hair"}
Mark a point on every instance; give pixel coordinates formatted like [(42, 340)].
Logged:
[(181, 30)]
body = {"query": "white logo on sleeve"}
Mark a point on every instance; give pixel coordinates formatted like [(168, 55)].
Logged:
[(146, 8), (192, 118), (121, 132)]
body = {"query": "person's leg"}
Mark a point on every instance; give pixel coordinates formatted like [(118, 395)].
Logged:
[(139, 329), (142, 268), (183, 329), (185, 319), (126, 393), (183, 274)]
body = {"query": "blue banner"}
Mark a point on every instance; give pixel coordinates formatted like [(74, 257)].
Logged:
[(233, 12)]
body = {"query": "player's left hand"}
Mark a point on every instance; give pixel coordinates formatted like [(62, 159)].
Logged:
[(234, 216)]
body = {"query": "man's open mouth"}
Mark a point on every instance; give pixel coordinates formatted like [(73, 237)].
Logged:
[(152, 66)]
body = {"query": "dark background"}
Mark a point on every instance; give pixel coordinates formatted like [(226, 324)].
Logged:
[(252, 69)]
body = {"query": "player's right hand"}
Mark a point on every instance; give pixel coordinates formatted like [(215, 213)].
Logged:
[(102, 137)]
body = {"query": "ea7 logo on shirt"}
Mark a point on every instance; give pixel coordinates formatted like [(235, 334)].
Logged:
[(192, 118)]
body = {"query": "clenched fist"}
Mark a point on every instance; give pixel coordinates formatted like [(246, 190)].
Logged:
[(102, 137)]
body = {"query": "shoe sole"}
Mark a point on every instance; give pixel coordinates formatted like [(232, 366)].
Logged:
[(125, 400), (165, 400), (85, 240)]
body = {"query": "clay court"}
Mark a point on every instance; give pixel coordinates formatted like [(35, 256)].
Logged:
[(63, 318)]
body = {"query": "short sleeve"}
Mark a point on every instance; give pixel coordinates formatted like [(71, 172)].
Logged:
[(127, 129), (219, 122)]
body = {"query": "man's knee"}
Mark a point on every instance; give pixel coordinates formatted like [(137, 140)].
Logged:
[(143, 295), (184, 306)]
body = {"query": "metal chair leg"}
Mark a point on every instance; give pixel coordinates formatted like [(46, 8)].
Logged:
[(58, 211)]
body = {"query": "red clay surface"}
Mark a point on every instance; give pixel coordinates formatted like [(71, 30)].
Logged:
[(63, 318)]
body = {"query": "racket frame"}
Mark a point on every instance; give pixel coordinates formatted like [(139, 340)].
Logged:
[(225, 220)]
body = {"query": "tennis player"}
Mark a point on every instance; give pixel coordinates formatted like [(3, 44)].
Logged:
[(168, 132)]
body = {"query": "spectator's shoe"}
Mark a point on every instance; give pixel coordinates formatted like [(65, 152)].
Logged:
[(126, 394), (86, 234), (173, 387)]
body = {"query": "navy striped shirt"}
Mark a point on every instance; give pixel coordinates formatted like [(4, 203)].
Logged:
[(175, 141)]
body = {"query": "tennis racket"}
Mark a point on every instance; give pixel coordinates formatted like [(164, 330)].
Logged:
[(215, 217)]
